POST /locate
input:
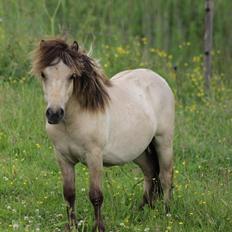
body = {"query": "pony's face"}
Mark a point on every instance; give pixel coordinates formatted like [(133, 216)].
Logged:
[(57, 81), (67, 71)]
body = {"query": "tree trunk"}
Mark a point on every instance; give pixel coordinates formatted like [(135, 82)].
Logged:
[(208, 42)]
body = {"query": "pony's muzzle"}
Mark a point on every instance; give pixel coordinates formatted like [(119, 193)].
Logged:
[(54, 116)]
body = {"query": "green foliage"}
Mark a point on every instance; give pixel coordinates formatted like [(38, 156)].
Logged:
[(165, 24)]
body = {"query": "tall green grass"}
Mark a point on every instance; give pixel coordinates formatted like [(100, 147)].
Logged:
[(31, 187)]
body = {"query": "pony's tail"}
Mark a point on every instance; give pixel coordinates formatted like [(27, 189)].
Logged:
[(154, 155)]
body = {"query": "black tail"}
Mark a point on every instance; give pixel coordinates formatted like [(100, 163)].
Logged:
[(154, 156)]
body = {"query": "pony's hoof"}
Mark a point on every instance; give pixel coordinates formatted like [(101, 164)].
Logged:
[(141, 206), (70, 228), (67, 227), (146, 202), (167, 209), (143, 203), (99, 227), (74, 223)]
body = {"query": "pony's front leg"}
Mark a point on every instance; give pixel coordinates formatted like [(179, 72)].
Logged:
[(95, 165), (68, 174)]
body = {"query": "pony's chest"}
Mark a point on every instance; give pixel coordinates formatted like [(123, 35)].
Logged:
[(71, 150), (68, 145)]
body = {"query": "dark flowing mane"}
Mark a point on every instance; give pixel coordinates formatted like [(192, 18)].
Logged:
[(89, 83)]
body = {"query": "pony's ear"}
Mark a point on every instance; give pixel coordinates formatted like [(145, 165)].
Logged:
[(41, 42), (75, 46)]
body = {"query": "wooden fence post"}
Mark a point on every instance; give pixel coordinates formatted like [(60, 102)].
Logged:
[(208, 38)]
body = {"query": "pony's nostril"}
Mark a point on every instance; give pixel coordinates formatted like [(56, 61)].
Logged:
[(54, 116), (49, 112), (61, 112)]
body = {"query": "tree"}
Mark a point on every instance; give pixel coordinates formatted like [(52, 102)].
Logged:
[(208, 41)]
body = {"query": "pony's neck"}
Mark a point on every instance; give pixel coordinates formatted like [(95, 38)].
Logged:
[(91, 91), (72, 108)]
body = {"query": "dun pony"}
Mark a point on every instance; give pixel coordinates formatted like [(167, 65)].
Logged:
[(102, 122)]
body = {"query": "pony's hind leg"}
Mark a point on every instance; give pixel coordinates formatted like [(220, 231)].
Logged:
[(151, 150), (163, 146), (151, 178)]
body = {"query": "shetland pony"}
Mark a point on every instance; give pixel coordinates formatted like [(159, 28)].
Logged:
[(102, 122)]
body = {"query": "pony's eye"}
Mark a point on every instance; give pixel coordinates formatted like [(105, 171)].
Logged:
[(72, 77), (43, 76)]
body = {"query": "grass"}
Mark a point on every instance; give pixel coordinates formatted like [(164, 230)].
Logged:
[(31, 188)]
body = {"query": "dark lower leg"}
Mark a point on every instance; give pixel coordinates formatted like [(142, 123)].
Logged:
[(147, 165), (69, 195), (95, 165), (153, 190), (152, 153), (148, 192), (158, 191), (96, 197), (68, 173), (164, 148), (166, 181)]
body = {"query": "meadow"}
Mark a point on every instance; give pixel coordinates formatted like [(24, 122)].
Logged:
[(31, 197)]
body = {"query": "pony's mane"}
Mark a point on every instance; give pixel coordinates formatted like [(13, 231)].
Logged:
[(89, 83)]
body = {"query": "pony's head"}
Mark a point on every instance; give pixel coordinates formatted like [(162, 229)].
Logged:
[(67, 71)]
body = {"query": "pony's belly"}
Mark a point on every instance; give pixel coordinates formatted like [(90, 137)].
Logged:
[(122, 155), (126, 149), (130, 136), (118, 158), (115, 155)]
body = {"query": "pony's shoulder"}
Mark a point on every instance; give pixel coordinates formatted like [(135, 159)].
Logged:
[(120, 74)]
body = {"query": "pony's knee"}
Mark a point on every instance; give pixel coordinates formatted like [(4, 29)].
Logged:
[(166, 183), (69, 194), (96, 197), (166, 178)]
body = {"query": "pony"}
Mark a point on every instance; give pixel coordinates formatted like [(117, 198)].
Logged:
[(103, 122)]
